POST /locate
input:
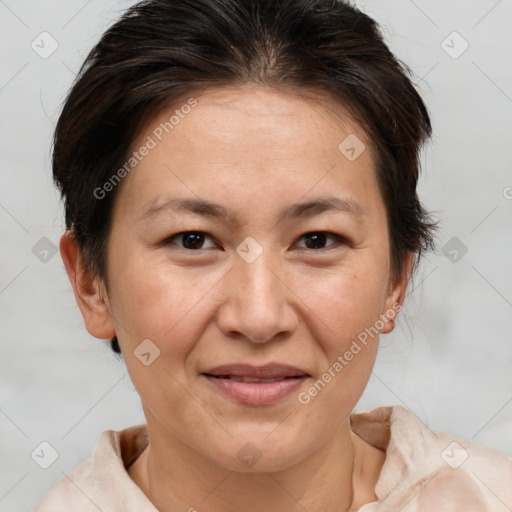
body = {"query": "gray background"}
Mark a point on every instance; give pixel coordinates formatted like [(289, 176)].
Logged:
[(450, 358)]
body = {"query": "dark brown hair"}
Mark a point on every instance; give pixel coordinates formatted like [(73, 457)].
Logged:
[(161, 49)]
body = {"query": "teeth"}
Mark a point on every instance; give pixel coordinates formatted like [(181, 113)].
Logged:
[(251, 379)]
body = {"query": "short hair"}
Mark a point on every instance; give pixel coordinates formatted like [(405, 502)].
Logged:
[(161, 49)]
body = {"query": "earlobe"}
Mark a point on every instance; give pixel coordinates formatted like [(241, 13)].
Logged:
[(89, 291), (396, 296)]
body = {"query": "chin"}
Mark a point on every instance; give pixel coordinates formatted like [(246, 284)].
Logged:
[(258, 453)]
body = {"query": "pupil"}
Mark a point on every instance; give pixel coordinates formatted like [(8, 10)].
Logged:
[(196, 240), (316, 238)]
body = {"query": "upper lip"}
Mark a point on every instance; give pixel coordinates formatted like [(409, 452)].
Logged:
[(269, 371)]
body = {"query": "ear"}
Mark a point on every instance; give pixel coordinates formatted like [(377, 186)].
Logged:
[(90, 293), (396, 296)]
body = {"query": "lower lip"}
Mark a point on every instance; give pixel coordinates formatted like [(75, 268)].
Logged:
[(256, 393)]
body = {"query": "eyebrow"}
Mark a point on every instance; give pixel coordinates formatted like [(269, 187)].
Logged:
[(215, 211)]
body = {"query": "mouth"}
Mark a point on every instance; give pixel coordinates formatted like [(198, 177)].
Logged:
[(252, 385), (270, 372), (249, 379)]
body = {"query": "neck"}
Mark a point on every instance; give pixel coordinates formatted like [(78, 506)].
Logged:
[(340, 477)]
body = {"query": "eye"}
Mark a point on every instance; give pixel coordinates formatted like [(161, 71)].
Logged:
[(316, 239), (192, 240)]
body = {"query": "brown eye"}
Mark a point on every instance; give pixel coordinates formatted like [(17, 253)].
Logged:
[(190, 240), (317, 239)]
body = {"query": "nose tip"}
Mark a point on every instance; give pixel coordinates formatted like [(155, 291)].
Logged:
[(257, 304)]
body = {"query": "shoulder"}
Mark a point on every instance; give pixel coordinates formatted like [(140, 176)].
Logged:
[(427, 470), (102, 482), (74, 491), (472, 476)]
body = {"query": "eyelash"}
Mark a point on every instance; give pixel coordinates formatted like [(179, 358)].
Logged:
[(339, 240)]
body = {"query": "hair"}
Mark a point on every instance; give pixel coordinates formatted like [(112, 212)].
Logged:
[(160, 50)]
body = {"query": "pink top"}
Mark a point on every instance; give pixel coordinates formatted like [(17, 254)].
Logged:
[(423, 471)]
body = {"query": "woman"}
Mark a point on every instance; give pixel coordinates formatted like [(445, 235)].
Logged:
[(242, 221)]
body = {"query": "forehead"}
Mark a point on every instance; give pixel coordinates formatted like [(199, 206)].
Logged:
[(251, 139)]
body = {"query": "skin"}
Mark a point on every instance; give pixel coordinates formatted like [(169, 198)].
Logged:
[(253, 150)]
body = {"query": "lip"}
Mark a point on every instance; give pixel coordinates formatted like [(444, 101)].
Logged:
[(268, 371), (255, 393)]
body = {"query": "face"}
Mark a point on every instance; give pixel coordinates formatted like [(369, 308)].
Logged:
[(268, 283)]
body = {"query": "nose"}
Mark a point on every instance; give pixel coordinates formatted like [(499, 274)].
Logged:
[(258, 302)]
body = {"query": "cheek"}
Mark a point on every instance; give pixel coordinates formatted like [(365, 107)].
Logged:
[(348, 307), (346, 301), (160, 303)]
